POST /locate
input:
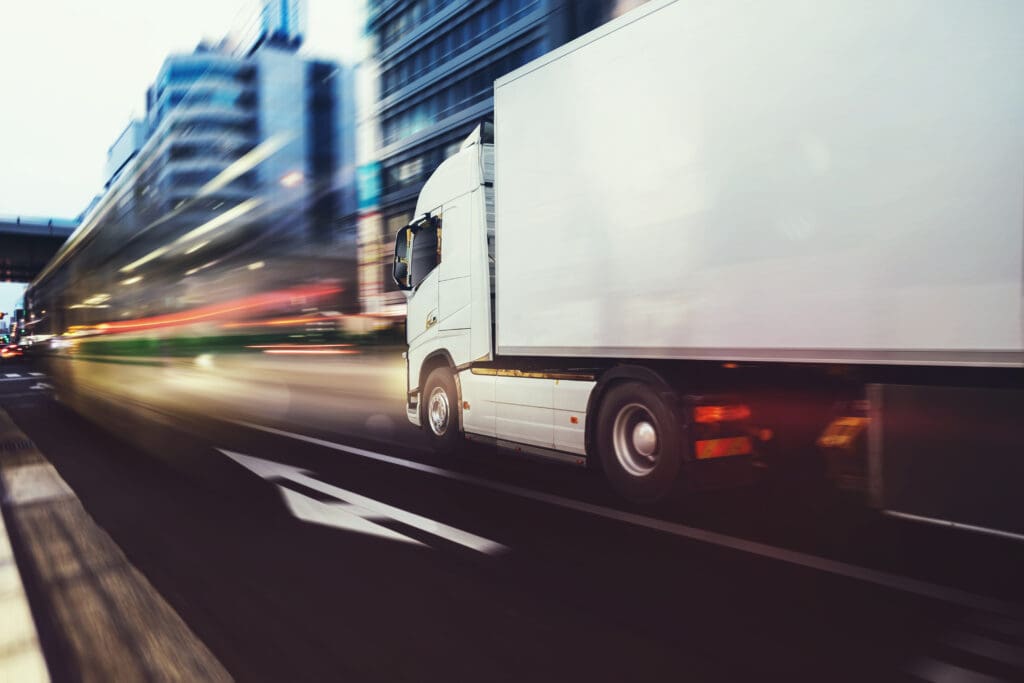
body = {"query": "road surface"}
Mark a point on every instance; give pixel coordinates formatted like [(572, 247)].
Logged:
[(295, 547)]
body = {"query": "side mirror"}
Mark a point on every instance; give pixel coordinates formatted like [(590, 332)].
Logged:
[(400, 271), (402, 274)]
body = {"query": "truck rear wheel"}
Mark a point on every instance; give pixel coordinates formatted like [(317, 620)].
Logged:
[(440, 406), (639, 442)]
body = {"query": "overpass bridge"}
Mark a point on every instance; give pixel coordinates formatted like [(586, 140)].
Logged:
[(28, 243)]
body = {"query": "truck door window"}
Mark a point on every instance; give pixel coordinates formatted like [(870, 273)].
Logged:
[(426, 250)]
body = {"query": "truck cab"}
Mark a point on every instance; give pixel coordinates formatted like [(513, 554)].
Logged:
[(444, 264)]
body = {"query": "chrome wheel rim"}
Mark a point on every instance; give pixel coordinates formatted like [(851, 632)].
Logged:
[(635, 439), (438, 411)]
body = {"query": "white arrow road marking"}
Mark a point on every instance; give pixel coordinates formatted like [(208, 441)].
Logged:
[(880, 578), (937, 671), (362, 507), (339, 515), (40, 386)]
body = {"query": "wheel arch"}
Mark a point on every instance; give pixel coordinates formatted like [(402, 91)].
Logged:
[(621, 374), (439, 359)]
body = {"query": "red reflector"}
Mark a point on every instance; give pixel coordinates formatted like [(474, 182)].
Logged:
[(465, 405), (574, 420), (721, 448), (731, 413)]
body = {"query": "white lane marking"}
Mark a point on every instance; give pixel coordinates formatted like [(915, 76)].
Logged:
[(1007, 627), (36, 374), (343, 516), (954, 525), (12, 374), (986, 647), (940, 672), (905, 584), (268, 469), (16, 378)]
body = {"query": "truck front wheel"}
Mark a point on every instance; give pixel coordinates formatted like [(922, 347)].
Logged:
[(639, 442), (440, 405)]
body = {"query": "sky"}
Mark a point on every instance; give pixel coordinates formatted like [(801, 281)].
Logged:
[(74, 72)]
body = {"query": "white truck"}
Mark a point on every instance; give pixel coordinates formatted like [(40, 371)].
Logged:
[(710, 226)]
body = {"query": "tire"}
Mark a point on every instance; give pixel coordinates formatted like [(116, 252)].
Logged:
[(639, 442), (439, 406)]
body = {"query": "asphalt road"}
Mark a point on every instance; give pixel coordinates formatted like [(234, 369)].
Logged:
[(300, 549)]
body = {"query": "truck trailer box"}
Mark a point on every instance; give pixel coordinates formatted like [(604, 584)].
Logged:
[(795, 180)]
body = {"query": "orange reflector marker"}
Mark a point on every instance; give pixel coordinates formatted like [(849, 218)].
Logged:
[(707, 414), (574, 420), (843, 432), (465, 405), (721, 448)]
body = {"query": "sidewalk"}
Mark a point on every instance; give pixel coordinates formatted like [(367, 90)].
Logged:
[(103, 620), (20, 656)]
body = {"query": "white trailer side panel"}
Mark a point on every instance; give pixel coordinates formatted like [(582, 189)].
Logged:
[(797, 179)]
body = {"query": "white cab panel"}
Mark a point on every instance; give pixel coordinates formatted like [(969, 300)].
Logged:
[(524, 410), (455, 240), (527, 410), (478, 392), (570, 402), (422, 314), (482, 230), (453, 301)]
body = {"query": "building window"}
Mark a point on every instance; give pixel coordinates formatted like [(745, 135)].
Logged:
[(464, 93), (458, 39)]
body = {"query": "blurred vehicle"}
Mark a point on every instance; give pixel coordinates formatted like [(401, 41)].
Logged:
[(11, 351), (694, 226)]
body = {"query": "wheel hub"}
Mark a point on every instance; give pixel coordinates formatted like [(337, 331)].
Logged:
[(635, 439), (438, 411), (645, 439)]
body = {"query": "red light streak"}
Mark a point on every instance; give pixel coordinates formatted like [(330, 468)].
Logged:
[(280, 321), (204, 313)]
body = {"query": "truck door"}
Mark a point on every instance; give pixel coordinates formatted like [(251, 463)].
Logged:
[(422, 317), (454, 287)]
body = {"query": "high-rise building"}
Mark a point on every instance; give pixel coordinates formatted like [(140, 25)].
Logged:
[(282, 22), (258, 143), (209, 109), (426, 84), (124, 149)]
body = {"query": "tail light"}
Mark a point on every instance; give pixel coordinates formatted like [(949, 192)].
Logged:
[(726, 413)]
